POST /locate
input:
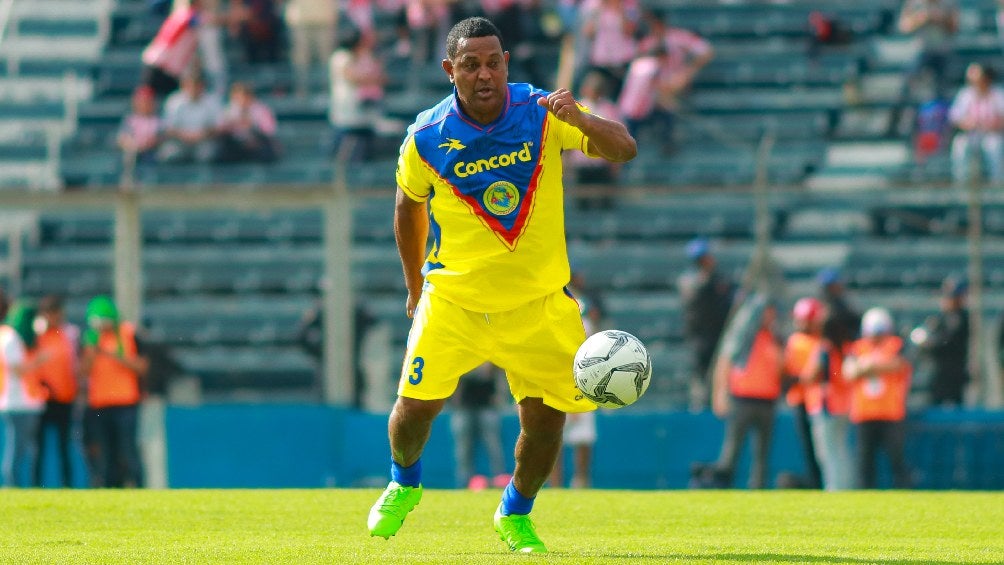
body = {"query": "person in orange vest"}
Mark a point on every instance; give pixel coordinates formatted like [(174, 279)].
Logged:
[(58, 341), (21, 396), (827, 402), (112, 366), (747, 384), (807, 316), (881, 381)]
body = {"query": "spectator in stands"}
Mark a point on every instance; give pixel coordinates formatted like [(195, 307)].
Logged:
[(191, 119), (113, 367), (312, 26), (58, 342), (357, 90), (595, 174), (475, 418), (171, 53), (828, 403), (609, 27), (945, 339), (212, 20), (707, 297), (22, 396), (248, 128), (659, 83), (881, 381), (834, 295), (807, 316), (978, 113), (428, 22), (935, 22), (747, 384), (257, 25), (139, 133)]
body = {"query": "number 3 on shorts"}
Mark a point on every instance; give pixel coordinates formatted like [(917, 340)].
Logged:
[(416, 370)]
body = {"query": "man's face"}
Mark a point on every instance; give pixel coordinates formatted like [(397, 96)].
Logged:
[(193, 88), (480, 72)]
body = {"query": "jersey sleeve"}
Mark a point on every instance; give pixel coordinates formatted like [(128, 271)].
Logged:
[(411, 177)]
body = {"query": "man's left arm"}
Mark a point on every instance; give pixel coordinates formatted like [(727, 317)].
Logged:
[(608, 139)]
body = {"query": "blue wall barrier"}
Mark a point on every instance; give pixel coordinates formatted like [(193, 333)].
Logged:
[(246, 446)]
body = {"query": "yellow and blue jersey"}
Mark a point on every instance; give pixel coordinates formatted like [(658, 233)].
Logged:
[(495, 200)]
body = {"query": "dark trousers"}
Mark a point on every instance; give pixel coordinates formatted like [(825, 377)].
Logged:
[(890, 437), (746, 415), (111, 444), (813, 475), (60, 417)]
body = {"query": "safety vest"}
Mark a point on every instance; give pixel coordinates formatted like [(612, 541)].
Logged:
[(832, 392), (761, 377), (110, 383), (797, 352), (59, 372), (881, 397)]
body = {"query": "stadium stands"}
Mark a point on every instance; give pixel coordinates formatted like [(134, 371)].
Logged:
[(234, 327)]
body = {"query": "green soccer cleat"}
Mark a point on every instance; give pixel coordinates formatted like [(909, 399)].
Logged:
[(517, 531), (390, 509)]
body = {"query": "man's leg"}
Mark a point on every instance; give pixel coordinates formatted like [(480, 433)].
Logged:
[(537, 449), (408, 428), (538, 445)]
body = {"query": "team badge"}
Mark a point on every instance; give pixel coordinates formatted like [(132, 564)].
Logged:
[(501, 198)]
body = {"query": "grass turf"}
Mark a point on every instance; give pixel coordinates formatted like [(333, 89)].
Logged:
[(329, 526)]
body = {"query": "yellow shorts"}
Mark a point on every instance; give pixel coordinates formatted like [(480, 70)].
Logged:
[(535, 344)]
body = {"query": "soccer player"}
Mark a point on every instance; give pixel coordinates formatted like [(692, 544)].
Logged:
[(481, 173)]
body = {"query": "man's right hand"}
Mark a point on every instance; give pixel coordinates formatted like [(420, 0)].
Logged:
[(412, 303)]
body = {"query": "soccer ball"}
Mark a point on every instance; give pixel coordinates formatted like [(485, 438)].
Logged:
[(612, 368)]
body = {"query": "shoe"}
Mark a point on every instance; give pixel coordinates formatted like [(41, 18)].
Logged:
[(517, 531), (390, 509)]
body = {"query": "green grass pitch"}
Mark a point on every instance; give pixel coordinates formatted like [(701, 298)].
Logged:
[(597, 526)]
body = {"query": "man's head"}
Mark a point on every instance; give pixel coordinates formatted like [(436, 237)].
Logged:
[(193, 85), (830, 281), (51, 308), (953, 293), (102, 314), (241, 94), (699, 251), (808, 314), (478, 67), (876, 322), (979, 76)]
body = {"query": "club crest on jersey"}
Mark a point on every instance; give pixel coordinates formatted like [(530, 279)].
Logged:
[(501, 198)]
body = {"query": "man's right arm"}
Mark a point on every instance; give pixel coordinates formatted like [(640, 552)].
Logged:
[(411, 231)]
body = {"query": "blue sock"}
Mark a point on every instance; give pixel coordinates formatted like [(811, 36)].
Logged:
[(406, 476), (515, 503)]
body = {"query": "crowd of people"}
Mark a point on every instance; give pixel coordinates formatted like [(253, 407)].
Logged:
[(836, 370), (639, 67), (57, 380)]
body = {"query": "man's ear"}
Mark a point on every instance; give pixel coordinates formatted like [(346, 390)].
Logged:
[(448, 67)]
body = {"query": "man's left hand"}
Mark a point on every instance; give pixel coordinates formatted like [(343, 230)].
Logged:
[(562, 104)]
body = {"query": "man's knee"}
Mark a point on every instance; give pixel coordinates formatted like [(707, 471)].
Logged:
[(414, 409), (539, 419)]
